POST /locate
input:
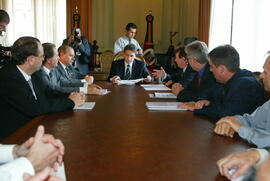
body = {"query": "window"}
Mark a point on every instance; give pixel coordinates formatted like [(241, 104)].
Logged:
[(45, 20), (244, 25)]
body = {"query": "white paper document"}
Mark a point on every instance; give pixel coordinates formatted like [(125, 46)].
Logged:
[(158, 95), (166, 106), (129, 82), (152, 85), (86, 106), (60, 172), (161, 87), (105, 91), (166, 95)]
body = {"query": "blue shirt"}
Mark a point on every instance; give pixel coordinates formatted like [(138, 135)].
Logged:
[(256, 126)]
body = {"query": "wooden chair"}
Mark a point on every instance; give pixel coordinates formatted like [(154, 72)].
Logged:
[(106, 59), (120, 56)]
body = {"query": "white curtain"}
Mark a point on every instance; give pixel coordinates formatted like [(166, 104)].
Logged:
[(44, 19), (247, 29)]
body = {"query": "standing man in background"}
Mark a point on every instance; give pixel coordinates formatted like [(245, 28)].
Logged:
[(128, 38), (82, 50)]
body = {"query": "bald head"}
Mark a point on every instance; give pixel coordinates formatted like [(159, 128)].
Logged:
[(66, 55), (265, 75)]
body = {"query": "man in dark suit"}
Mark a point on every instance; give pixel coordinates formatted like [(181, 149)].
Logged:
[(185, 75), (82, 50), (128, 68), (50, 76), (240, 91), (23, 97), (197, 57)]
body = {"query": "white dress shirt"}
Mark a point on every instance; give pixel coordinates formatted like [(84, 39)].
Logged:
[(13, 170), (123, 41)]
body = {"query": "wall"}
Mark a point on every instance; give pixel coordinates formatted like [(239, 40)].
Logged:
[(111, 16)]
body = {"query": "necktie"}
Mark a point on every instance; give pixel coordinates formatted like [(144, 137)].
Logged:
[(127, 75), (50, 75), (199, 80), (68, 73), (32, 88)]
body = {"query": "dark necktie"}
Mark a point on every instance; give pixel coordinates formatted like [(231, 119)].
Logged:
[(127, 75), (50, 75), (68, 73), (32, 88), (199, 80)]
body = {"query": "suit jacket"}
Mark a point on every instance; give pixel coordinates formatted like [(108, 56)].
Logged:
[(184, 78), (18, 105), (195, 89), (73, 81), (83, 60), (53, 81), (241, 94), (139, 69)]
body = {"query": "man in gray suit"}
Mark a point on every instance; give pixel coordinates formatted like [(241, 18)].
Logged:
[(52, 78)]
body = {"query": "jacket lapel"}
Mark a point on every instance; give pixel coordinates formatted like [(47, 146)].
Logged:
[(122, 69)]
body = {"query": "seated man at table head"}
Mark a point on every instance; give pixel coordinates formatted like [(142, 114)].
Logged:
[(240, 91), (252, 164), (23, 97), (185, 75), (255, 127), (197, 58), (19, 162), (50, 76), (128, 38), (128, 68)]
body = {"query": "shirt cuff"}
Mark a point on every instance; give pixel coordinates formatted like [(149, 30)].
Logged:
[(83, 80), (245, 132), (165, 76), (263, 155), (6, 153), (15, 169), (83, 90)]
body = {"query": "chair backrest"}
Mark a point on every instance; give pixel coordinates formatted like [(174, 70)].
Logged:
[(120, 56), (106, 59)]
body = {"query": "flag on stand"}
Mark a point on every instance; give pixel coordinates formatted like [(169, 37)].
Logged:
[(148, 46)]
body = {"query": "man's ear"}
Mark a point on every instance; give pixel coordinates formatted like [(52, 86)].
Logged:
[(223, 69), (30, 60)]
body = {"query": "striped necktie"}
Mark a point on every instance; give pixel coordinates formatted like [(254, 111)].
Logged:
[(68, 73), (32, 88), (127, 75)]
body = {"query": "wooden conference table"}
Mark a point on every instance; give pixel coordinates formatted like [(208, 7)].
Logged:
[(120, 140)]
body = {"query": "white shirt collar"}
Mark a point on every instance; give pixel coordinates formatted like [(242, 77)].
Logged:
[(25, 75), (185, 68), (47, 71), (127, 38), (128, 64)]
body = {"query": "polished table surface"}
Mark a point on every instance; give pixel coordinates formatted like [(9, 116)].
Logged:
[(121, 140)]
